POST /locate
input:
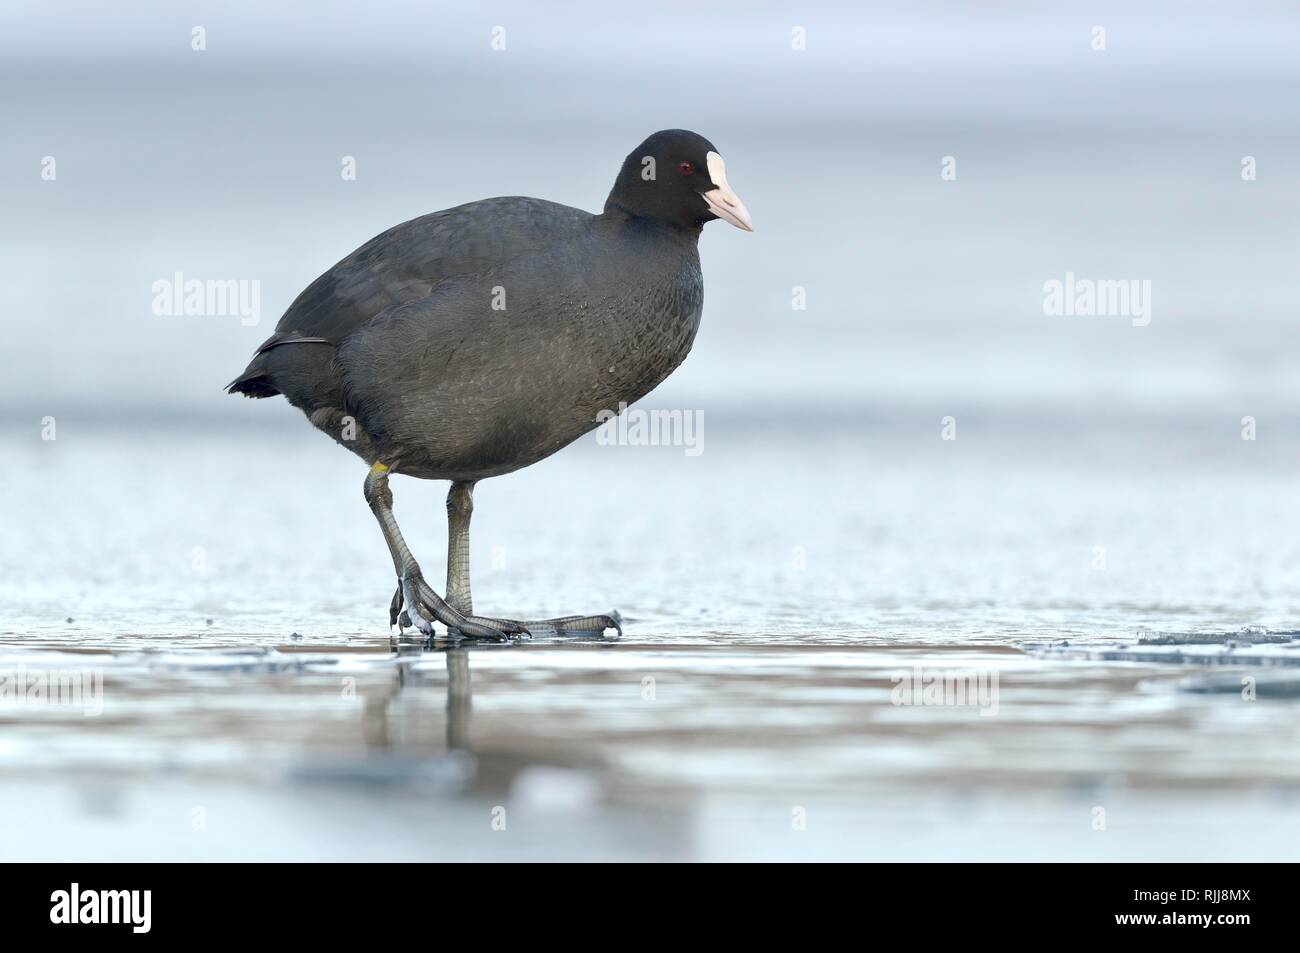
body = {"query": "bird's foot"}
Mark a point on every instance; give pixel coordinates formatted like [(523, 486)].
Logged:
[(568, 625), (423, 606)]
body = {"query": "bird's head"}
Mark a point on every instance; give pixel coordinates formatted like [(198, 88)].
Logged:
[(678, 177)]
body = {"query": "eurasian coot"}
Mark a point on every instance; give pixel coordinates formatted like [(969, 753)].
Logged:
[(471, 342)]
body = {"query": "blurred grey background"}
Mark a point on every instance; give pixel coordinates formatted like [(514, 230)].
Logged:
[(922, 294)]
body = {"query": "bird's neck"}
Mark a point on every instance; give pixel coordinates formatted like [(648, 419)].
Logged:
[(619, 216)]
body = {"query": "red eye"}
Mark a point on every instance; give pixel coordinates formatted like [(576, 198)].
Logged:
[(687, 168)]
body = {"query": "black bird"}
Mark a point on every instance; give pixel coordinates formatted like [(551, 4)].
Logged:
[(471, 342)]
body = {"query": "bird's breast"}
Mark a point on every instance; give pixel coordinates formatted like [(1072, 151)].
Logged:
[(656, 326)]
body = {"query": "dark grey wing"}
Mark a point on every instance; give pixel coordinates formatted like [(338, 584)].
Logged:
[(404, 264)]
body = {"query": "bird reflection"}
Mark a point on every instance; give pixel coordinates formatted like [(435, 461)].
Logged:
[(458, 700), (396, 714)]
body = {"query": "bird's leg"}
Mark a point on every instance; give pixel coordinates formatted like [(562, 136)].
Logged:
[(460, 507), (423, 604)]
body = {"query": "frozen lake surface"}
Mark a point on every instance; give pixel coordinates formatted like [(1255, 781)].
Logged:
[(229, 591)]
